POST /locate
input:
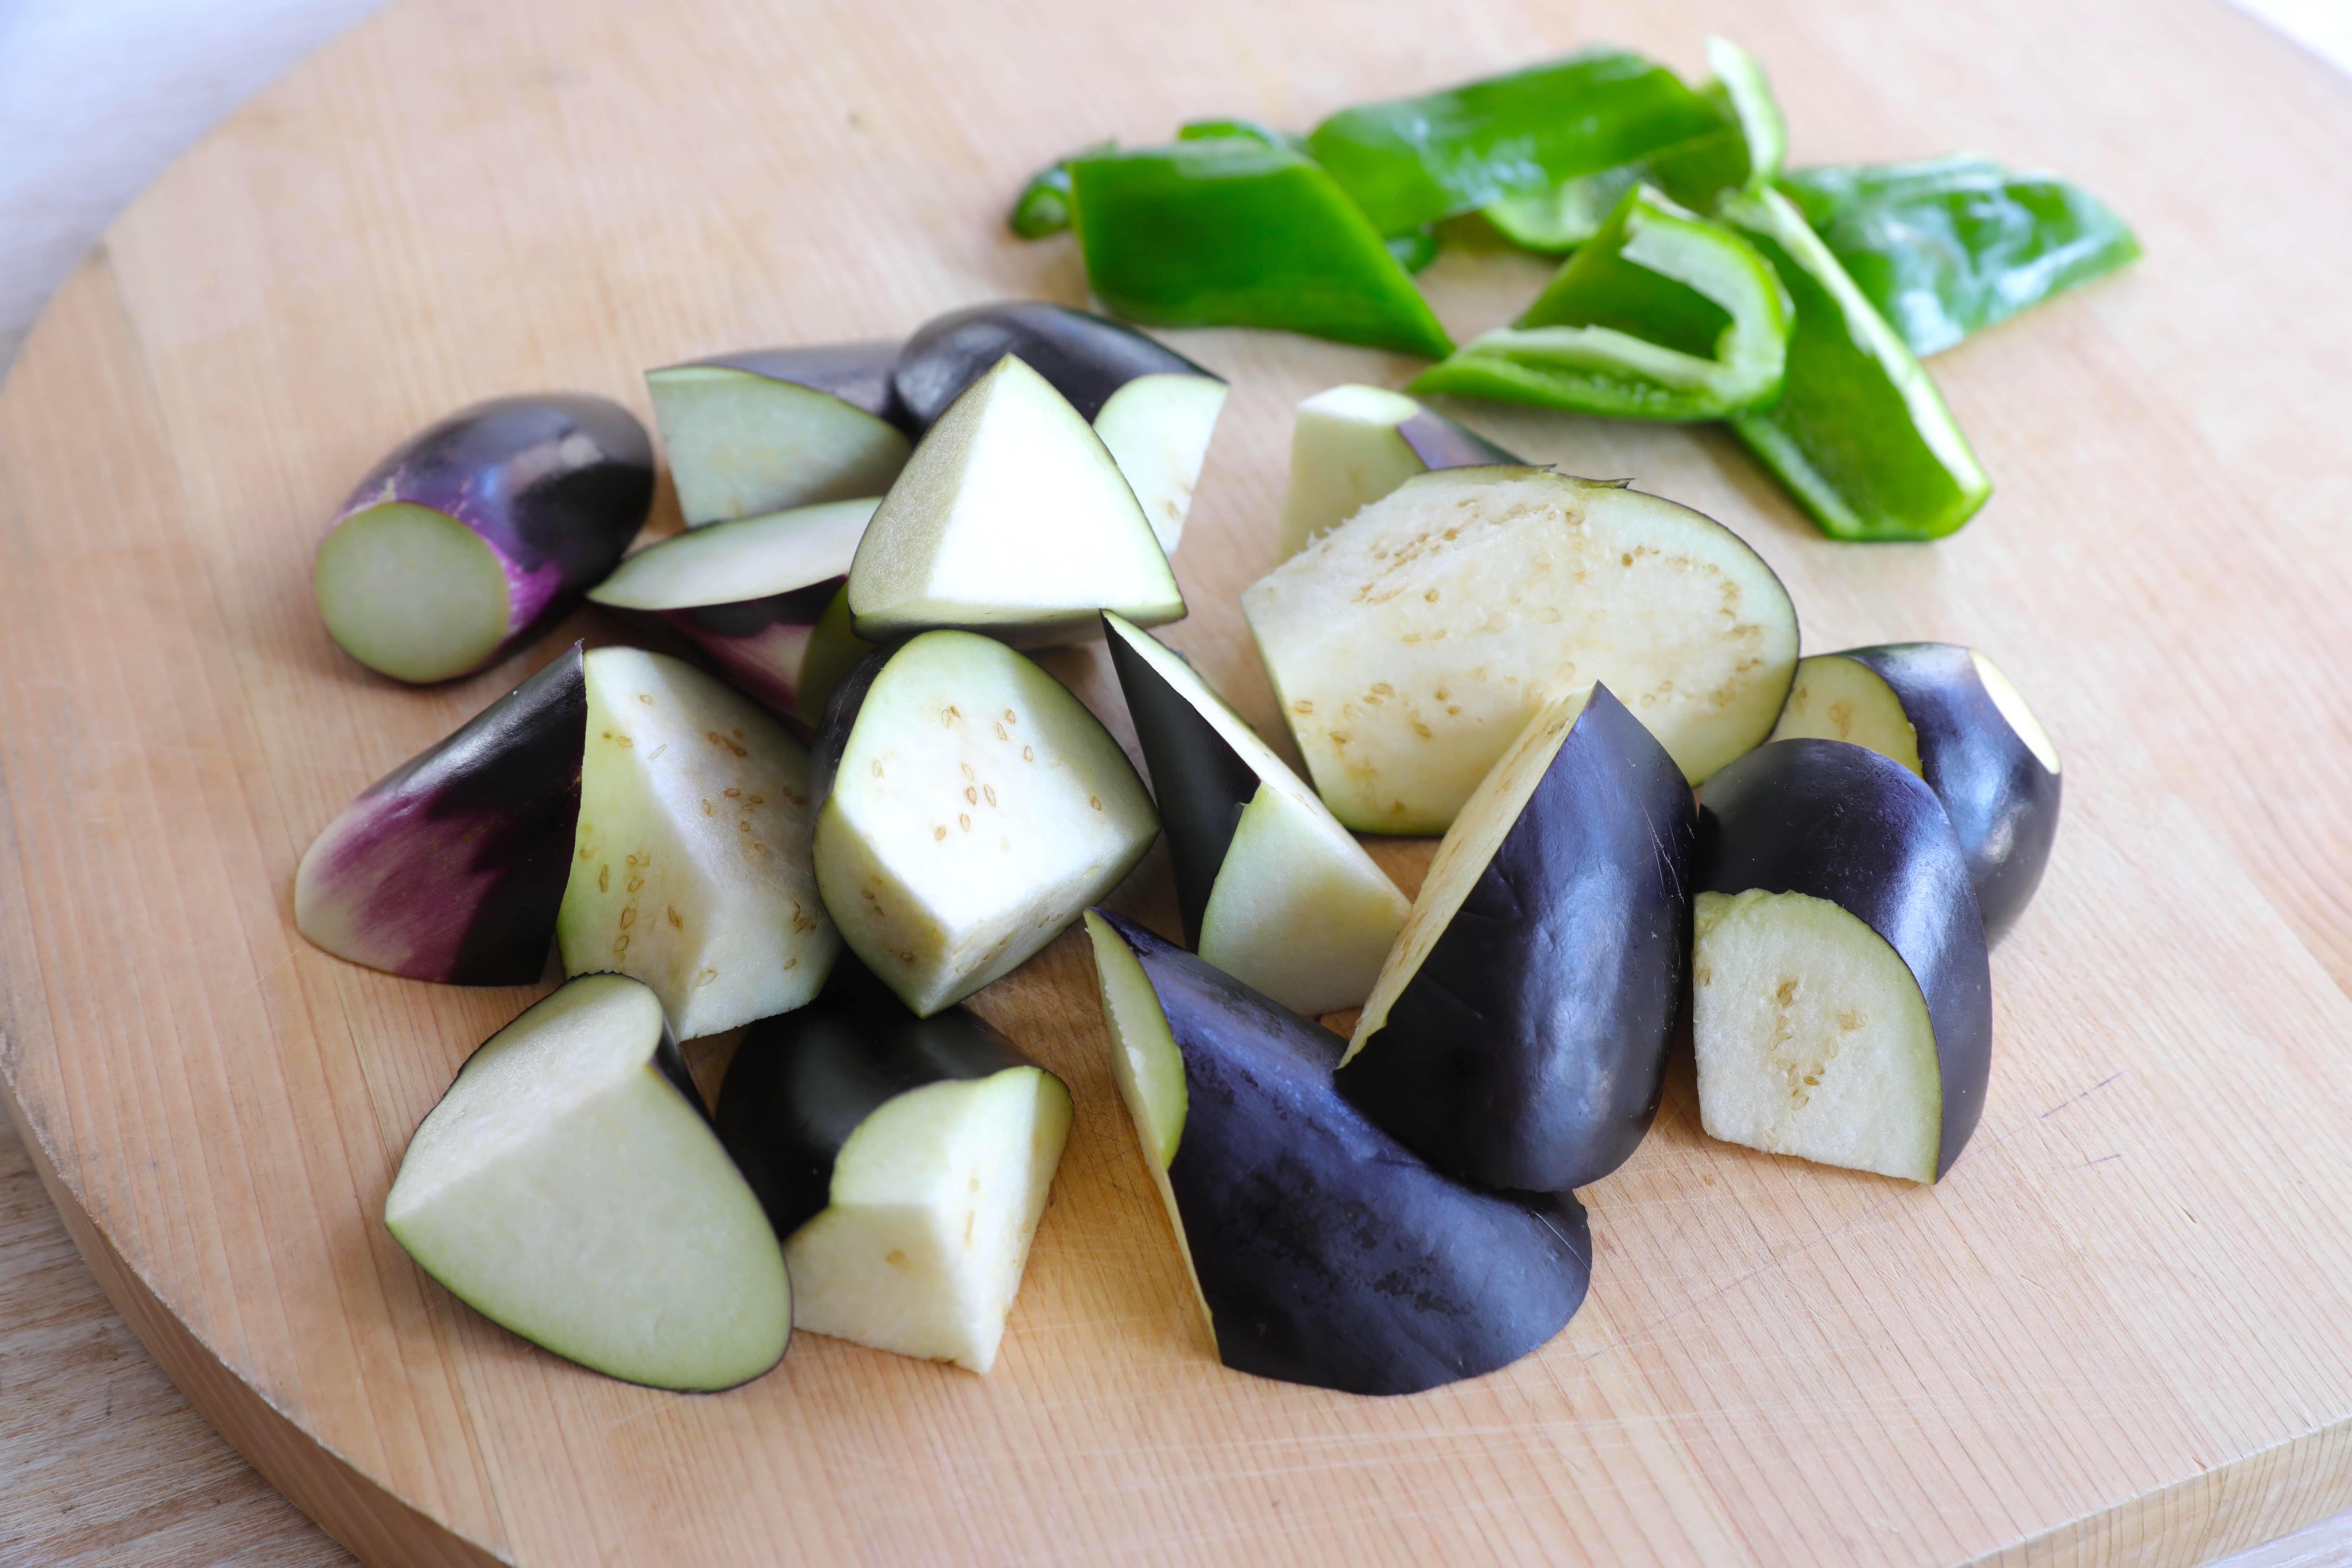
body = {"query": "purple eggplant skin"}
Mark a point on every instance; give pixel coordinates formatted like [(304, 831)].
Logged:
[(856, 373), (757, 644), (451, 867), (1840, 822), (556, 484), (2003, 802), (800, 1083), (1329, 1254), (1086, 358), (1440, 443), (1530, 1048)]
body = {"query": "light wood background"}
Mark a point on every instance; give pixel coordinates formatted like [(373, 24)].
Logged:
[(2117, 1334)]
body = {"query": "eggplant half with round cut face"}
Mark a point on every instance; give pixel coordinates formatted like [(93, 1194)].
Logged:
[(1011, 519), (569, 1188), (1518, 1032), (451, 867), (750, 595), (1410, 646), (1154, 409), (1841, 1001), (1274, 892), (480, 531), (1352, 445), (1325, 1252), (969, 808), (772, 429), (690, 870), (1948, 715), (903, 1161)]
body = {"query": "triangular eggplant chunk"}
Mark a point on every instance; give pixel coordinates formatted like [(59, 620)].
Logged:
[(770, 429), (1352, 445), (1518, 1031)]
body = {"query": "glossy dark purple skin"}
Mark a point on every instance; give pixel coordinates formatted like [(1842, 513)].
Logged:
[(1530, 1049), (452, 867), (802, 1083), (556, 484), (1842, 823), (1329, 1254), (2002, 802), (756, 643), (1085, 358), (1440, 443)]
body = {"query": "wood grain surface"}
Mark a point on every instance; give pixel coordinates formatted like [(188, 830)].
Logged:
[(2117, 1334)]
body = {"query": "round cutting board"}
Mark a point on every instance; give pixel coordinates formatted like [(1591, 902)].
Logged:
[(2115, 1332)]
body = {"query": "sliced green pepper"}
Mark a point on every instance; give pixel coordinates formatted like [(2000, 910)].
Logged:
[(1044, 205), (1234, 231), (1416, 160), (1744, 97), (1860, 435), (1662, 314), (1948, 247), (1247, 129), (1415, 248)]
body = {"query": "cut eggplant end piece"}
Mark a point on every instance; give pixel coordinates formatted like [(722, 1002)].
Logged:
[(413, 593), (975, 809), (1144, 1060), (1813, 1037), (1158, 429), (565, 1188), (1352, 445), (741, 444), (1838, 698), (735, 562)]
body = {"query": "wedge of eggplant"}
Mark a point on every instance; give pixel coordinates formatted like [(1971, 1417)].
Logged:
[(905, 1162), (690, 870), (969, 809), (569, 1188), (1353, 445), (452, 866), (1154, 409), (480, 531), (1518, 1031), (1948, 715), (772, 429), (750, 595), (1841, 1000), (1411, 645), (1274, 892), (1324, 1251)]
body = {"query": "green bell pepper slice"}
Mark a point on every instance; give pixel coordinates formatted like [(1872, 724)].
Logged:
[(1860, 435), (1949, 247), (1662, 314), (1416, 160), (1235, 231), (1744, 98), (1044, 205)]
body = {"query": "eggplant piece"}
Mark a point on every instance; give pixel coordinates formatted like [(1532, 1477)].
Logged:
[(968, 809), (691, 871), (1518, 1032), (1323, 1250), (1948, 715), (451, 867), (749, 595), (1274, 892), (1352, 445), (1154, 409), (905, 1162), (569, 1188), (772, 429), (480, 531), (1843, 1002), (1012, 519), (1411, 645)]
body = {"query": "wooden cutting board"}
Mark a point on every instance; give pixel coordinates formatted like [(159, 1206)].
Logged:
[(2118, 1333)]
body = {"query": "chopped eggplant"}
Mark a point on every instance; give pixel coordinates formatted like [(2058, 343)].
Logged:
[(1274, 892), (1948, 713), (1324, 1252), (1013, 518), (1518, 1032), (1411, 645), (691, 870), (451, 867), (903, 1161), (772, 429), (969, 809), (1353, 445), (569, 1188), (480, 531), (1842, 1004)]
